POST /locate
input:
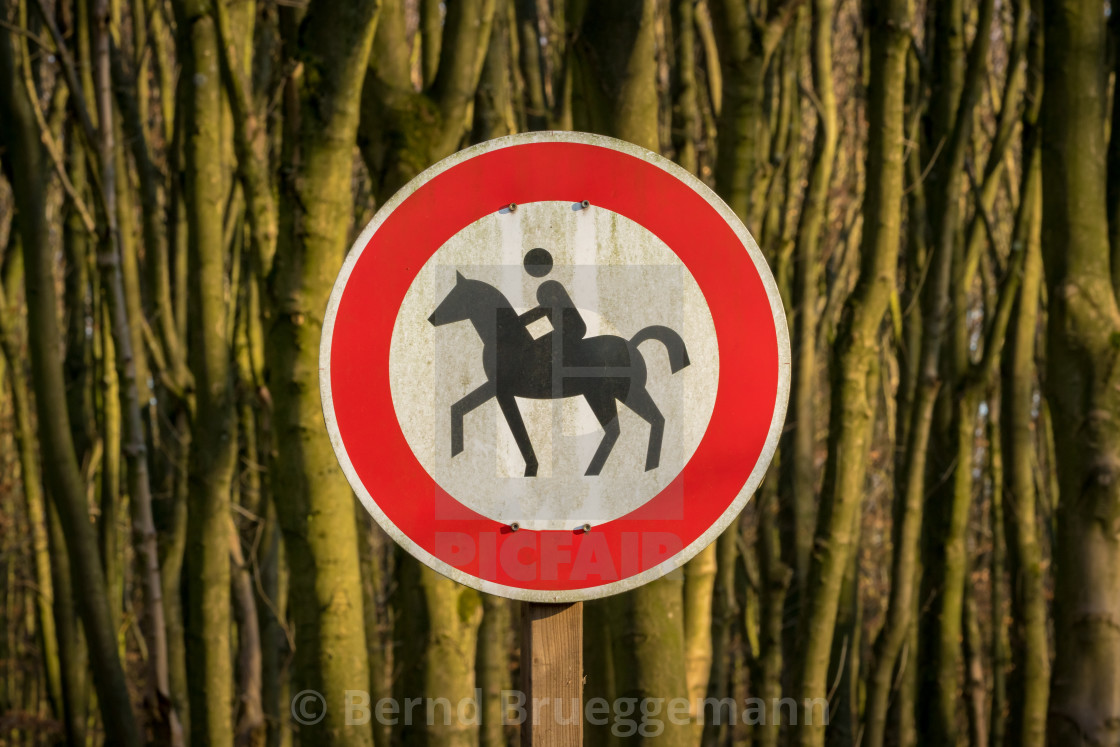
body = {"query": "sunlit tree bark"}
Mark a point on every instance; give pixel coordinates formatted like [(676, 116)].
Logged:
[(403, 130), (34, 503), (213, 434), (1083, 380), (855, 364), (746, 46), (313, 500), (26, 172), (1029, 689)]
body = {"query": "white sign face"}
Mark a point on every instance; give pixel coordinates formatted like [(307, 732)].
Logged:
[(554, 367), (609, 263)]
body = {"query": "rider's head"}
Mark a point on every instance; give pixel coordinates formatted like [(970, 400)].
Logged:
[(538, 262)]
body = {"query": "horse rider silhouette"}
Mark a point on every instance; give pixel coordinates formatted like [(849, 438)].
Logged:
[(568, 327), (604, 369)]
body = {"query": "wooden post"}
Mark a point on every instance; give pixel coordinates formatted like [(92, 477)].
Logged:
[(552, 674)]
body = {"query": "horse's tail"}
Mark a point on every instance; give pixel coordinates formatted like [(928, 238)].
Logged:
[(678, 355)]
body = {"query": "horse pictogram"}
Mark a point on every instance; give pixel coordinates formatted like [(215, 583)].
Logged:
[(604, 370)]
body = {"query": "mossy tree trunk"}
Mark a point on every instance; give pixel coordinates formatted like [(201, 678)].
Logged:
[(532, 69), (494, 114), (1030, 685), (314, 503), (855, 364), (34, 504), (746, 46), (798, 473), (213, 435), (1083, 378), (120, 279), (454, 615), (403, 131), (495, 639), (1029, 690), (947, 562), (26, 171)]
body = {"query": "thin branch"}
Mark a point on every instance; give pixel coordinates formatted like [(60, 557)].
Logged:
[(49, 142), (40, 41), (251, 149), (928, 168), (68, 67), (981, 212), (997, 331), (777, 21), (155, 350)]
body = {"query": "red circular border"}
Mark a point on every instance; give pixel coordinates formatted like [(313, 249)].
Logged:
[(420, 225)]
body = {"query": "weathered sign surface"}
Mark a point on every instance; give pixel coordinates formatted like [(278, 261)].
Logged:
[(554, 366)]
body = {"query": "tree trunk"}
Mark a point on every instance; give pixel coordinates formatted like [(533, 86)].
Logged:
[(952, 111), (66, 486), (403, 131), (33, 498), (798, 465), (495, 636), (454, 614), (686, 110), (532, 71), (173, 536), (376, 576), (493, 107), (109, 424), (1030, 686), (699, 584), (774, 579), (72, 652), (598, 669), (250, 731), (855, 366), (120, 281), (725, 610), (213, 428), (745, 48), (997, 568), (615, 72), (974, 685), (313, 500), (1083, 380)]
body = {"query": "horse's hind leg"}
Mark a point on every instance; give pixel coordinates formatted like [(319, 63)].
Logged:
[(460, 409), (640, 402), (520, 435), (607, 413)]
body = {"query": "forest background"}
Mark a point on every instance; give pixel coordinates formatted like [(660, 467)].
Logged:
[(936, 185)]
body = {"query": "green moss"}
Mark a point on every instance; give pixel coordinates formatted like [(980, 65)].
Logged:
[(469, 603)]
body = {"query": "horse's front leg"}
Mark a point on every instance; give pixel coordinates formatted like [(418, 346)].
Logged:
[(520, 434), (460, 409)]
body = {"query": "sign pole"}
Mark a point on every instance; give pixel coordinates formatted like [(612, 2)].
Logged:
[(552, 674)]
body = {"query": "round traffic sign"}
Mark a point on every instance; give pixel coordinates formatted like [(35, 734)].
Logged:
[(554, 366)]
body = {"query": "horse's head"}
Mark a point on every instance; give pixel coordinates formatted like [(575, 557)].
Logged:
[(458, 305)]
